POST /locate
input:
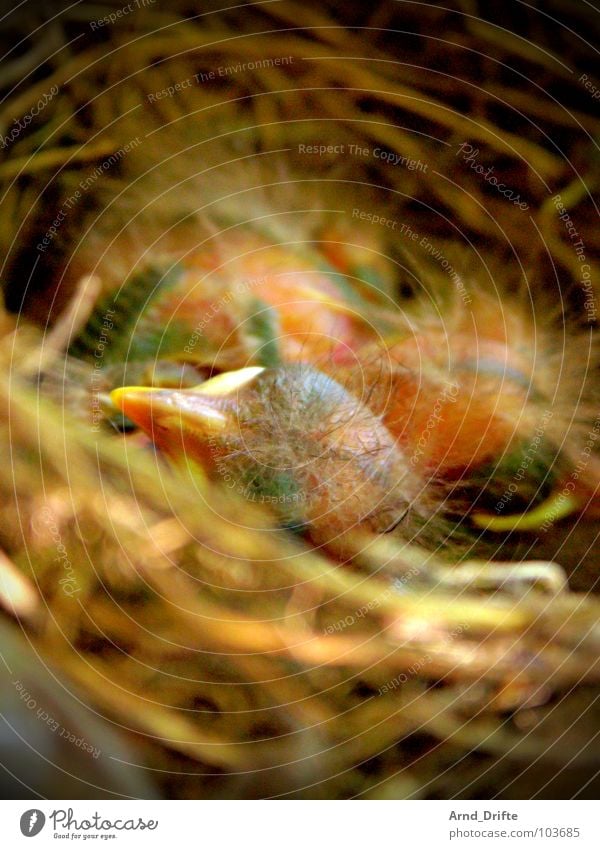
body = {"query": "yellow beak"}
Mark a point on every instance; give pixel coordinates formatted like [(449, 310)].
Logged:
[(175, 418)]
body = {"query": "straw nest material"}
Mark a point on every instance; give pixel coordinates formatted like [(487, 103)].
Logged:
[(230, 658)]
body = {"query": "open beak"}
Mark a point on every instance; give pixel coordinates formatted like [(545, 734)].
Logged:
[(151, 408), (183, 420)]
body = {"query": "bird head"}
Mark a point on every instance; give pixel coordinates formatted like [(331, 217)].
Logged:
[(291, 437)]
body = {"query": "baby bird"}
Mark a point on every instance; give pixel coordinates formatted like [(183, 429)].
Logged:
[(291, 437), (443, 422)]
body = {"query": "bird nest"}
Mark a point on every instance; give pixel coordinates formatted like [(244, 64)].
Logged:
[(212, 651)]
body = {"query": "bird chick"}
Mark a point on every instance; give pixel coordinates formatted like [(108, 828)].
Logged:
[(292, 437)]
